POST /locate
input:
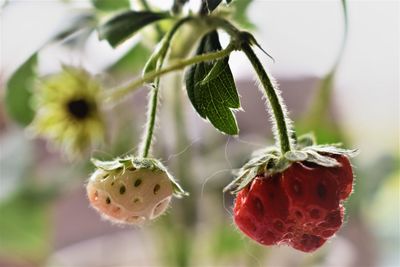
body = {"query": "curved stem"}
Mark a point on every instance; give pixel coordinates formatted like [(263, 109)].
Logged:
[(344, 37), (152, 113), (118, 93), (169, 36), (279, 112), (153, 104), (217, 22)]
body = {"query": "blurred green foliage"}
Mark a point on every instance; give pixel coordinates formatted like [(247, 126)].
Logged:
[(25, 228), (110, 5), (19, 93), (241, 13), (319, 117)]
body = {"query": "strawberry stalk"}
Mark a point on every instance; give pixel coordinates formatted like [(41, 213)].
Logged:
[(152, 113), (279, 112), (153, 101), (282, 130)]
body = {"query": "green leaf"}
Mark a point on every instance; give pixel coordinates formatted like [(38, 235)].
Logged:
[(132, 62), (217, 70), (208, 6), (213, 100), (306, 140), (123, 26), (19, 92), (75, 24), (178, 5), (111, 5)]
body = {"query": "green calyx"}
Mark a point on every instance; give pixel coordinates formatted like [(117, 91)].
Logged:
[(269, 161), (120, 165)]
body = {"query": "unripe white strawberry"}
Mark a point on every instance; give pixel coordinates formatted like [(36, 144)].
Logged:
[(131, 190)]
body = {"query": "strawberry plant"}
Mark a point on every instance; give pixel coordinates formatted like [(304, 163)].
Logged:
[(289, 193)]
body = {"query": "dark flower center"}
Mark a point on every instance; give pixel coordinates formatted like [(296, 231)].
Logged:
[(78, 108)]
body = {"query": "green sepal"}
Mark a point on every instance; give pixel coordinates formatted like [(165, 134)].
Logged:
[(242, 181), (334, 149), (314, 157), (280, 165), (269, 161), (129, 162), (296, 155), (306, 140), (248, 38), (107, 165), (260, 164), (319, 154)]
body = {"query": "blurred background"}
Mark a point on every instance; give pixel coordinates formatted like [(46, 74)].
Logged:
[(45, 218)]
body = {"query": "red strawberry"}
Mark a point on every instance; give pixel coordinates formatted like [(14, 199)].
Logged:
[(344, 177), (300, 206), (256, 206)]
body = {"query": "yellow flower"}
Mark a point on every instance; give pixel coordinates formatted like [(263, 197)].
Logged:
[(68, 111)]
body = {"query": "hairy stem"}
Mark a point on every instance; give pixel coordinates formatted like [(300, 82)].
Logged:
[(152, 113), (151, 119), (278, 109), (279, 113), (119, 93)]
